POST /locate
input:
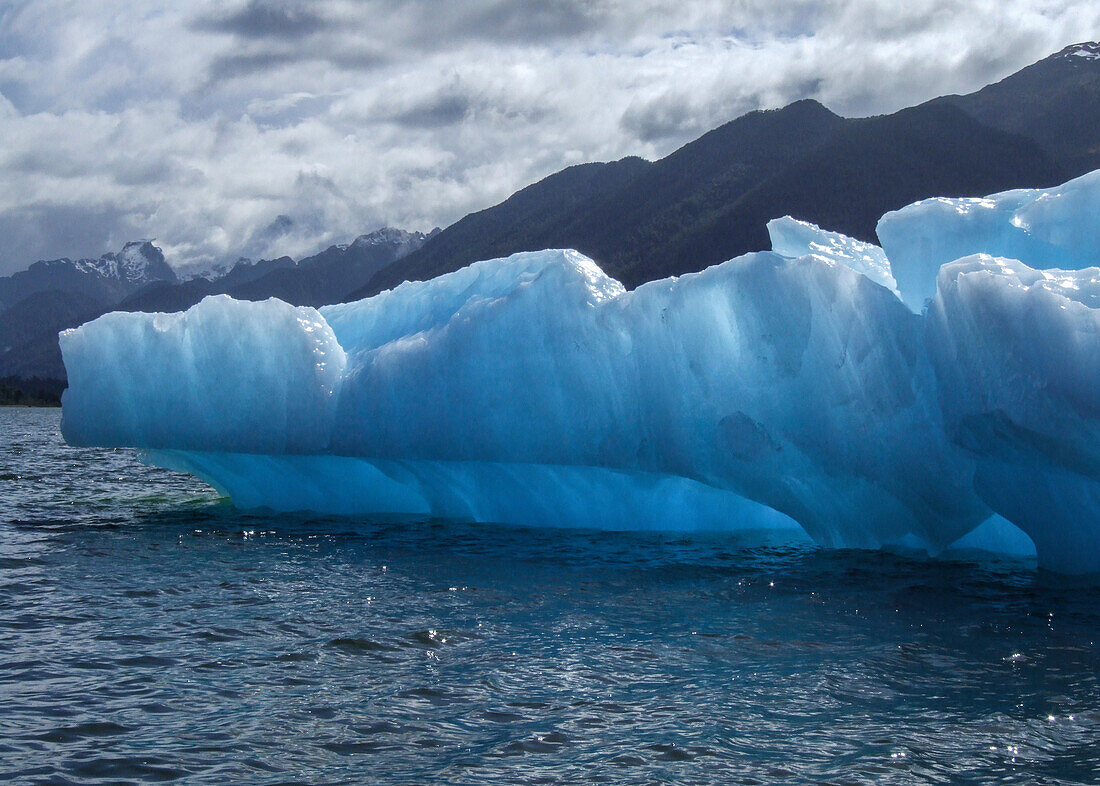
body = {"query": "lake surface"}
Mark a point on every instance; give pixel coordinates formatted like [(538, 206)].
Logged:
[(150, 632)]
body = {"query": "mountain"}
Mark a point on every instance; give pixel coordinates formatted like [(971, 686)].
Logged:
[(328, 276), (104, 280), (616, 212), (710, 200), (313, 281), (53, 296), (245, 270), (1055, 103), (535, 213), (869, 167), (178, 296), (28, 332)]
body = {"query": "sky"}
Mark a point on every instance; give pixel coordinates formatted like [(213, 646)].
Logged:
[(268, 127)]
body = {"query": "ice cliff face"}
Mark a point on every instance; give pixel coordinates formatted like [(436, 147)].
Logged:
[(750, 376), (224, 375), (771, 389)]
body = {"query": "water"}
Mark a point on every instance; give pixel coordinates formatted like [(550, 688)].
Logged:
[(149, 632)]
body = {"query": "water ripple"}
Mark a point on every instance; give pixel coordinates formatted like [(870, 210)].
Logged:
[(149, 632)]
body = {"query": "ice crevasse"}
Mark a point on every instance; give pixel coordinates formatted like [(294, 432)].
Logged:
[(799, 387)]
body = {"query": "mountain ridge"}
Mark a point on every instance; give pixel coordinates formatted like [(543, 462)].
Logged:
[(1066, 80), (667, 219), (110, 276), (29, 326)]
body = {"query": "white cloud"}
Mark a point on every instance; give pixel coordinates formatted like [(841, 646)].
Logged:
[(201, 124)]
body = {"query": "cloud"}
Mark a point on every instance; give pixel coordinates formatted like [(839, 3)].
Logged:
[(525, 22), (201, 124), (74, 231), (241, 64), (264, 19), (442, 110)]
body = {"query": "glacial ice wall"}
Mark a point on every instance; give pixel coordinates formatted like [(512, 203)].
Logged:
[(774, 390)]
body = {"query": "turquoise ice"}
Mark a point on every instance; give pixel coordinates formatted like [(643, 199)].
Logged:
[(782, 388)]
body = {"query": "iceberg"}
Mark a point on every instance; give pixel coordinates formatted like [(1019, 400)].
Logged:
[(996, 535), (538, 377), (781, 389), (1046, 228), (1017, 352), (260, 377), (793, 239)]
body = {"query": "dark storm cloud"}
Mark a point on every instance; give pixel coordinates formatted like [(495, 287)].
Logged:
[(237, 64), (444, 110), (364, 58), (524, 22), (240, 64), (374, 32), (265, 19)]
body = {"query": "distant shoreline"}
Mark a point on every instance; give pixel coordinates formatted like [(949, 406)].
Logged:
[(33, 392)]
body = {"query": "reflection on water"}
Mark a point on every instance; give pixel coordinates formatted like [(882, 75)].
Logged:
[(150, 632)]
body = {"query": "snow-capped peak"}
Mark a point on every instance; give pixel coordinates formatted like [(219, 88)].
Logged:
[(218, 269), (136, 259), (1089, 50), (138, 262), (387, 235)]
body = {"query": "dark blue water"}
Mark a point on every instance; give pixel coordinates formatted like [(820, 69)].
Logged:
[(149, 632)]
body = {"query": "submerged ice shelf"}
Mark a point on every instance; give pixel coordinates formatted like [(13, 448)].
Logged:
[(783, 388)]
